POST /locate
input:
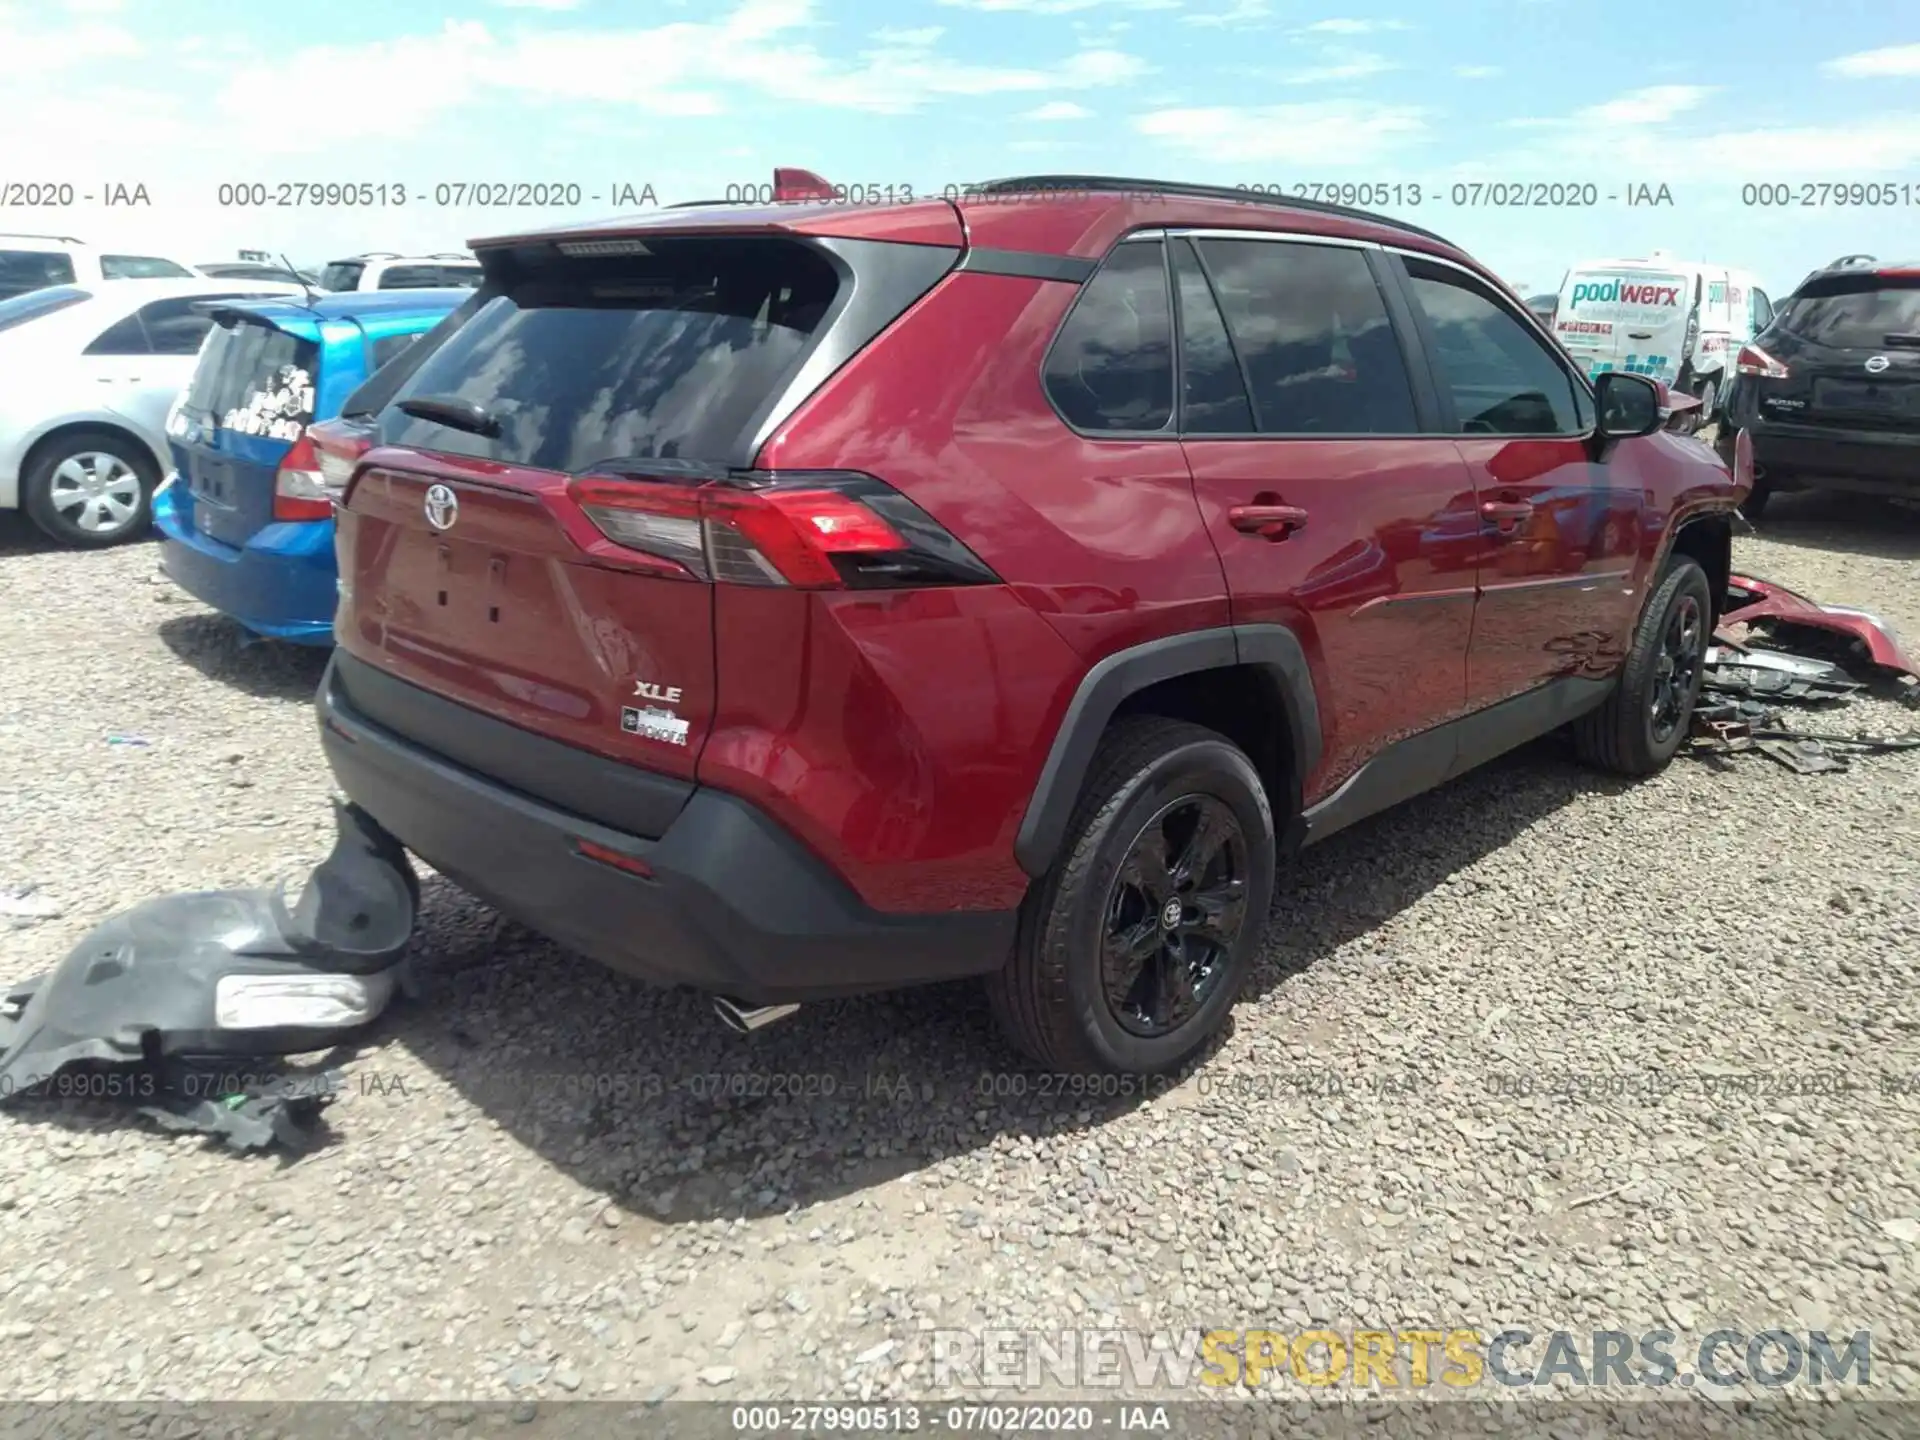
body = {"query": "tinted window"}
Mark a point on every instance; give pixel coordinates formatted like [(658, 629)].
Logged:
[(1213, 399), (36, 303), (175, 327), (428, 277), (127, 337), (140, 267), (1111, 367), (389, 347), (1502, 378), (668, 355), (379, 388), (341, 275), (1762, 311), (1857, 312), (255, 379), (1311, 329), (24, 270)]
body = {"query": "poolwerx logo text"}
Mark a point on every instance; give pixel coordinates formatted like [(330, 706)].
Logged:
[(1626, 292)]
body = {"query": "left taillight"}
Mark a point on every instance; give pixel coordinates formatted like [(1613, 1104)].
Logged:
[(338, 446), (299, 489), (809, 530)]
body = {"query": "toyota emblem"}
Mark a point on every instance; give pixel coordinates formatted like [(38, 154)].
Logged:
[(443, 507), (1877, 364)]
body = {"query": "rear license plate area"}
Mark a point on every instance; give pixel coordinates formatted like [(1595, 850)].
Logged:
[(1899, 401)]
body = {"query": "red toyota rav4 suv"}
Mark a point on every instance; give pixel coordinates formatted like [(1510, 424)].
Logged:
[(805, 600)]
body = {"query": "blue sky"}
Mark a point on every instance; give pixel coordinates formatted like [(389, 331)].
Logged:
[(689, 98)]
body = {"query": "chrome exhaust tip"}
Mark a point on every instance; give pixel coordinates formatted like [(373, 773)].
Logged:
[(745, 1019)]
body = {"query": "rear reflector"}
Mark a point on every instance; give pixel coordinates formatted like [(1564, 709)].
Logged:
[(1752, 360), (338, 447), (299, 489), (632, 864), (813, 531)]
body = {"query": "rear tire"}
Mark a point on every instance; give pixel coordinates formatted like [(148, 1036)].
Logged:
[(1109, 974), (91, 488), (1646, 719), (1709, 397)]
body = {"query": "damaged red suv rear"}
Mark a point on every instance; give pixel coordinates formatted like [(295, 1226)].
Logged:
[(798, 601)]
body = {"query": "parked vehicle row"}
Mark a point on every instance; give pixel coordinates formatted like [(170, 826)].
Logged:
[(34, 262)]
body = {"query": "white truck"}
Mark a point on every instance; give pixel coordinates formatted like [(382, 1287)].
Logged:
[(1681, 321)]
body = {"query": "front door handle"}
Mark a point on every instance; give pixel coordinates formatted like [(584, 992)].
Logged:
[(1505, 515), (1269, 522)]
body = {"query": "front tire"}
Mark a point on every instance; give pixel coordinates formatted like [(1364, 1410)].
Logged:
[(90, 489), (1646, 719), (1134, 946)]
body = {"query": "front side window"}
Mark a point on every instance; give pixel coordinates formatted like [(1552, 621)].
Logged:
[(1111, 367), (1312, 333), (1500, 376)]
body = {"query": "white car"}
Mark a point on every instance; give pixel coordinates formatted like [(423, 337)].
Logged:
[(87, 378), (30, 262), (383, 270)]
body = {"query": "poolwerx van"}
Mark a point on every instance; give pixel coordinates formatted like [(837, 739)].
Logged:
[(1674, 320)]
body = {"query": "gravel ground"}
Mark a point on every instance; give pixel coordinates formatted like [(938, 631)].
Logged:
[(1541, 998)]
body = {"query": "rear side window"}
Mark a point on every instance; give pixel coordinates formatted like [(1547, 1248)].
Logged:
[(124, 337), (669, 355), (1501, 377), (140, 267), (25, 270), (390, 347), (1854, 312), (342, 275), (255, 379), (1111, 366), (176, 327), (1311, 329), (1213, 394), (35, 303), (428, 277)]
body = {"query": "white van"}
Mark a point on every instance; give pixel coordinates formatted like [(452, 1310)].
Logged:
[(1680, 321)]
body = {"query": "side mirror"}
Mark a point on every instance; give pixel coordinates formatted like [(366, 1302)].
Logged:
[(1629, 405)]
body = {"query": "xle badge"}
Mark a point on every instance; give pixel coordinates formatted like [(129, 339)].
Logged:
[(653, 724)]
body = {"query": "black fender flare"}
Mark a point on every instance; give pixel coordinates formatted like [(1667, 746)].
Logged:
[(1273, 649)]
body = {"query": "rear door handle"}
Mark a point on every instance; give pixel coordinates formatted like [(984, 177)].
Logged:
[(1505, 515), (1269, 522)]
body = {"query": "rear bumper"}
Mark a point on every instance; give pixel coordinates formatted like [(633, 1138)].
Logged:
[(1831, 457), (735, 904), (282, 583)]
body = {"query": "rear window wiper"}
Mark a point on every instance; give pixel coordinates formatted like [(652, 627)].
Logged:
[(453, 412), (1906, 340)]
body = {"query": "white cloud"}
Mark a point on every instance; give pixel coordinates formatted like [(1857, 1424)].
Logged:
[(1875, 64), (1241, 12), (1058, 7), (1477, 72), (1351, 27), (1654, 105), (1341, 66), (1298, 134), (1059, 110)]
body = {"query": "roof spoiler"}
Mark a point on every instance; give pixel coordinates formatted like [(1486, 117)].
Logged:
[(791, 184)]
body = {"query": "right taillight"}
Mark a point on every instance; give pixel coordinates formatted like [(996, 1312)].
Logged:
[(809, 530), (1752, 360), (338, 447)]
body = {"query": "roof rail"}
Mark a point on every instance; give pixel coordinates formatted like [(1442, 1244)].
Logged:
[(32, 235), (1093, 183), (449, 255), (376, 255)]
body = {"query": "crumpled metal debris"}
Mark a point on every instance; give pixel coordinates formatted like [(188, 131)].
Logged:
[(223, 974), (1773, 675), (1792, 622)]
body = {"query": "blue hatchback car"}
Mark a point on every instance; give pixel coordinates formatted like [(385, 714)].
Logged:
[(245, 521)]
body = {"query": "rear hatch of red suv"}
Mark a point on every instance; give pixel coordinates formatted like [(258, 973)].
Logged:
[(556, 483), (1843, 355)]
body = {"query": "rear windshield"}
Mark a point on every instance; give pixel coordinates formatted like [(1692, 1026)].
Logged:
[(35, 303), (254, 379), (24, 270), (666, 355), (429, 277), (1860, 311)]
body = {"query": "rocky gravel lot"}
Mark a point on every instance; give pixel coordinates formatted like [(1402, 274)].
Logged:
[(1533, 1051)]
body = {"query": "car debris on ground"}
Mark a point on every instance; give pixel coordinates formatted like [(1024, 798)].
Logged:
[(155, 1004), (1774, 645)]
